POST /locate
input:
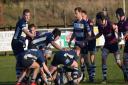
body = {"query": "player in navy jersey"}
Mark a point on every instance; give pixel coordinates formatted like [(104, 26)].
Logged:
[(91, 45), (66, 58), (110, 32), (44, 39), (123, 28), (21, 27), (81, 31), (18, 41)]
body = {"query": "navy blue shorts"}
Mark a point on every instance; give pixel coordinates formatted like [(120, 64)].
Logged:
[(57, 60), (17, 46), (38, 53), (84, 50), (92, 45), (112, 47), (26, 63)]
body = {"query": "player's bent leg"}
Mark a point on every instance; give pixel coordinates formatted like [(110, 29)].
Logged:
[(82, 64), (22, 75), (52, 69), (36, 66)]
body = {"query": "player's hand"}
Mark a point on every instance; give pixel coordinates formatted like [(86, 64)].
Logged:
[(50, 78)]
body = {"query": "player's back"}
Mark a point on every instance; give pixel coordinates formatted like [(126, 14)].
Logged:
[(63, 54), (41, 40)]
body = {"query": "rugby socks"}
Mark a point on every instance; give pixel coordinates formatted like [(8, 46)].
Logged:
[(18, 72), (104, 72), (125, 72), (89, 73), (83, 68), (93, 67)]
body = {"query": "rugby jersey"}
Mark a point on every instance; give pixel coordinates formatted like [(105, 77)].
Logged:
[(81, 28)]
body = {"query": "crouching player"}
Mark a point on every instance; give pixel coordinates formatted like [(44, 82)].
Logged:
[(33, 58), (67, 58)]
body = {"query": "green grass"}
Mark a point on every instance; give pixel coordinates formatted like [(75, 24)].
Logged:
[(115, 77)]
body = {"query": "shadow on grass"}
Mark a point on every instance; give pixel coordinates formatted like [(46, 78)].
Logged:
[(97, 82), (7, 83), (109, 82)]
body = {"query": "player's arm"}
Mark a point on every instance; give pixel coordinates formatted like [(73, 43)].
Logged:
[(47, 70), (28, 33), (99, 33)]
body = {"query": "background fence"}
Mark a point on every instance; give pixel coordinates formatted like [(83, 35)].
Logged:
[(55, 12)]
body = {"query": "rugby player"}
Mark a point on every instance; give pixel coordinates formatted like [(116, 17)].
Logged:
[(91, 45), (81, 31), (110, 32), (123, 28), (18, 41)]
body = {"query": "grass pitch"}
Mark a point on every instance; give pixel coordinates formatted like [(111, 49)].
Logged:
[(114, 74)]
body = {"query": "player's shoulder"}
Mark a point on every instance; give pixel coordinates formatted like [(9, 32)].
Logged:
[(21, 22)]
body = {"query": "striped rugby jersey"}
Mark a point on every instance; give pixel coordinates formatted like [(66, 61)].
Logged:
[(81, 29), (21, 24), (43, 39)]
